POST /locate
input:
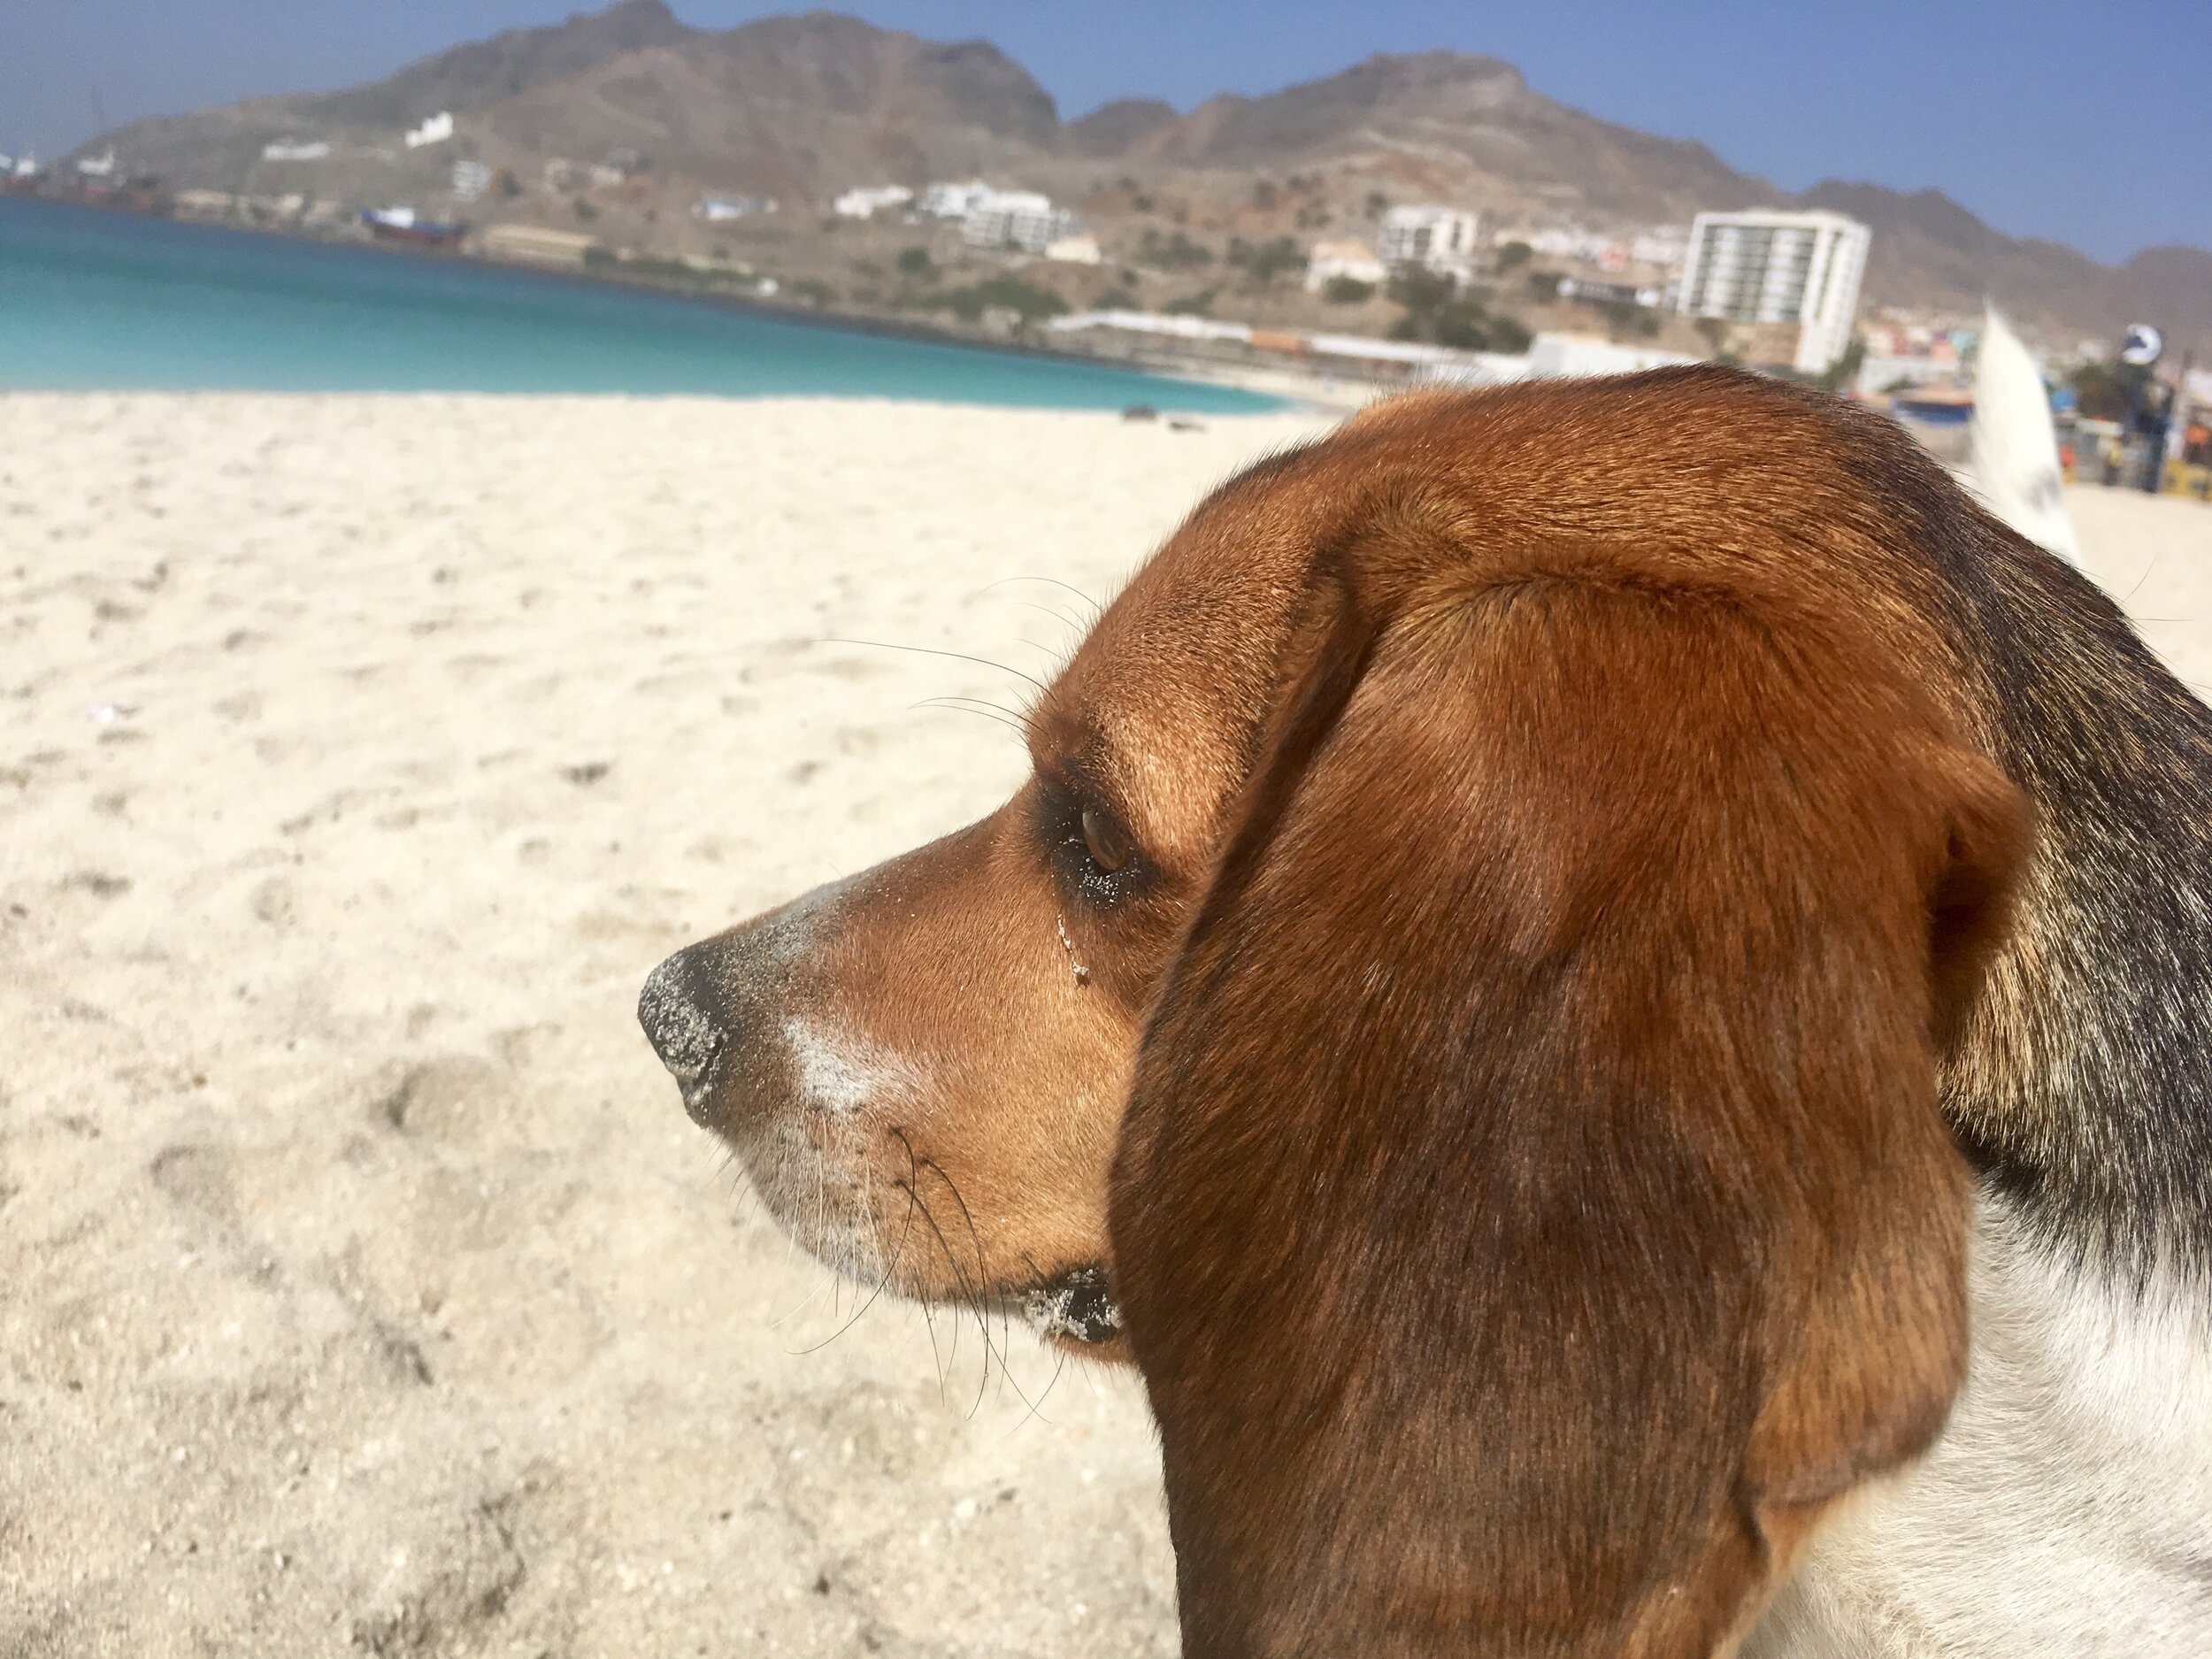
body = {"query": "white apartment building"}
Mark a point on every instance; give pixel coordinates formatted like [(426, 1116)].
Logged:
[(1015, 218), (1777, 268), (1441, 238)]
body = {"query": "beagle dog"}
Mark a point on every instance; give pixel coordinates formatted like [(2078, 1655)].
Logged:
[(1602, 984)]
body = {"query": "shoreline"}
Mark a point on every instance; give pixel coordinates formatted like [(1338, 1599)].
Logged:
[(1295, 392)]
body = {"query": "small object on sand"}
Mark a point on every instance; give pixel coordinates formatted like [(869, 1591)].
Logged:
[(1140, 411), (1185, 426)]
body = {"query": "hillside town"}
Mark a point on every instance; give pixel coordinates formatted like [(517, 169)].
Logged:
[(1319, 282)]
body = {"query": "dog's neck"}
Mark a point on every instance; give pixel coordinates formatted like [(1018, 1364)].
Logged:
[(2083, 1091)]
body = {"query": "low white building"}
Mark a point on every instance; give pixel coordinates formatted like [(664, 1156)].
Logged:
[(206, 203), (470, 179), (1596, 293), (294, 150), (1665, 246), (1015, 218), (718, 208), (1440, 238), (1780, 267), (537, 244), (436, 130), (1081, 248), (864, 201), (1353, 261), (943, 200), (1557, 243), (1177, 324)]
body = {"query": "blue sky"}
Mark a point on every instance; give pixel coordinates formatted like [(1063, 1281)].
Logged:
[(2090, 124)]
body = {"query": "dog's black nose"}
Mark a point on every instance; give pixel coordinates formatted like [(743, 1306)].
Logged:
[(673, 1008)]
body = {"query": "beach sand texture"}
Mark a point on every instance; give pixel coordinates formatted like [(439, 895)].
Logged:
[(366, 1290)]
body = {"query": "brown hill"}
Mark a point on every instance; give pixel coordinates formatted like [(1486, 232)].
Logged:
[(801, 107), (1473, 119)]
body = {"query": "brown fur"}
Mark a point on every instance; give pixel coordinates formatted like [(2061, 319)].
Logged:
[(1570, 840), (1533, 1206)]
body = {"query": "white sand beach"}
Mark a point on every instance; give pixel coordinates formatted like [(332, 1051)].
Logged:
[(366, 1288)]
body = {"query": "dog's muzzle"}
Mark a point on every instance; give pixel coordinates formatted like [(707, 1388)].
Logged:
[(672, 1008)]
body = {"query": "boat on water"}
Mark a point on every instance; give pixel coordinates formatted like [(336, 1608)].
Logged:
[(404, 224)]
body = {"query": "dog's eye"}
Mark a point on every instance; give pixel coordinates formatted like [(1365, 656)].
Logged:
[(1106, 842)]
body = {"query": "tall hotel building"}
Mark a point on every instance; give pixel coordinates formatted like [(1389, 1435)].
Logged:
[(1775, 267)]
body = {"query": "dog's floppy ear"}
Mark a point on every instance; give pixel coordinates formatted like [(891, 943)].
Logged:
[(1532, 1208)]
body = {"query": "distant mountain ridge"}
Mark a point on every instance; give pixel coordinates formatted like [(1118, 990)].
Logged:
[(802, 106)]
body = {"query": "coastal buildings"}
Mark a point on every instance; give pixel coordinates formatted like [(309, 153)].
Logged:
[(295, 149), (536, 244), (1789, 268), (1026, 220), (865, 201), (945, 200), (1666, 246), (1022, 219), (1345, 261), (1592, 291), (717, 207), (1549, 355), (1440, 238), (1661, 246)]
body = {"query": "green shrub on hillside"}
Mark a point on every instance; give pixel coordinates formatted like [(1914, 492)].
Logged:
[(1437, 312), (1264, 261), (1177, 252), (1010, 293)]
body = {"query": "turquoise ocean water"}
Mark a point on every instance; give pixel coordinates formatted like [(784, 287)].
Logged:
[(95, 301)]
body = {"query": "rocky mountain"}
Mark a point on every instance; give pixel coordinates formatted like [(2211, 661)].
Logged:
[(801, 107), (1471, 120), (797, 107)]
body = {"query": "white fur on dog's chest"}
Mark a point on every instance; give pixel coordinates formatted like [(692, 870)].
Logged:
[(2067, 1508)]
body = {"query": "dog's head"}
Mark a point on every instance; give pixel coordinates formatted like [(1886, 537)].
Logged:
[(924, 1067), (1468, 972)]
